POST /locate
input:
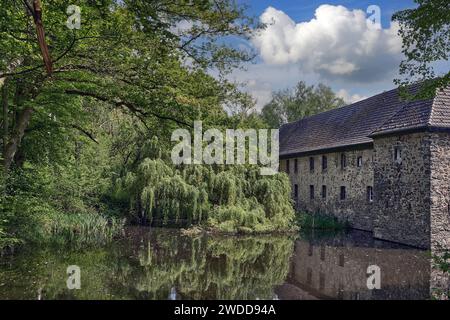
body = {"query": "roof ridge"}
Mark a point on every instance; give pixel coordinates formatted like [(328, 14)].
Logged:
[(440, 94), (432, 108)]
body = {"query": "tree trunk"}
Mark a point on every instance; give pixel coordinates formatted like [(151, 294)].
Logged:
[(5, 116), (16, 137), (41, 36)]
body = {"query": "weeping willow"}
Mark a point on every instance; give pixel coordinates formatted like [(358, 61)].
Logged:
[(221, 198)]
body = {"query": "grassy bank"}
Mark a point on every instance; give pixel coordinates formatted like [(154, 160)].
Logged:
[(319, 221)]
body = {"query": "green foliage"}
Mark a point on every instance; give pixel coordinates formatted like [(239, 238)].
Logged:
[(234, 199), (425, 32), (442, 261), (441, 265), (319, 221), (96, 145), (300, 102), (47, 202)]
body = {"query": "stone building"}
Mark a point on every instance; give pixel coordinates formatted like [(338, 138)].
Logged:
[(381, 164)]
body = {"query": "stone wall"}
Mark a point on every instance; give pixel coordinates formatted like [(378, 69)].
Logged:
[(440, 190), (356, 208), (402, 189), (411, 197)]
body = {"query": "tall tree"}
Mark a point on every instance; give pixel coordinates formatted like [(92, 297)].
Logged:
[(146, 58), (300, 102), (425, 31)]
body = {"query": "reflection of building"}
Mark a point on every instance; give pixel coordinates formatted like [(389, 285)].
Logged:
[(339, 271), (382, 164)]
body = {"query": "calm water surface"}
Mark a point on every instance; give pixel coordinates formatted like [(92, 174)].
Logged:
[(163, 264)]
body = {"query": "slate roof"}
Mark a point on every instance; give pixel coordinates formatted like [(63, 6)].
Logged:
[(356, 123)]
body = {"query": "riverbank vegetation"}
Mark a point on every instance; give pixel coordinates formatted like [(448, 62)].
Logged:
[(319, 221), (87, 116)]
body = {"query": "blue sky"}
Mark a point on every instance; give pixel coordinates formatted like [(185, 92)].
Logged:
[(301, 10), (322, 41)]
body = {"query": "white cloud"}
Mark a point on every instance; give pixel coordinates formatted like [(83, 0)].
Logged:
[(337, 44), (260, 80), (350, 98)]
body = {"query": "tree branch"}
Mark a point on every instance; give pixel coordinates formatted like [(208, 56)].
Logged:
[(130, 106)]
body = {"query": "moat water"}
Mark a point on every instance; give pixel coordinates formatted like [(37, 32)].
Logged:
[(163, 264)]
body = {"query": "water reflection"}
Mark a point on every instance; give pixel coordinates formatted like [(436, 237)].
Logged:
[(162, 264), (336, 268)]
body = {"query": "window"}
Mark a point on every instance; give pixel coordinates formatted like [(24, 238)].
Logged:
[(322, 253), (343, 193), (359, 162), (398, 155), (322, 281), (324, 163), (287, 166), (341, 260), (295, 166), (370, 194), (324, 192), (309, 276), (311, 192), (343, 161), (296, 191), (311, 163)]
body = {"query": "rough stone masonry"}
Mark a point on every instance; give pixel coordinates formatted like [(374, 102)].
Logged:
[(381, 164)]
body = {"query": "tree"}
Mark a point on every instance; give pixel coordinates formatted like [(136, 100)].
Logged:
[(130, 55), (302, 101), (425, 32)]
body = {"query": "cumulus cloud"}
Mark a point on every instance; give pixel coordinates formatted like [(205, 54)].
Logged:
[(337, 44), (349, 98)]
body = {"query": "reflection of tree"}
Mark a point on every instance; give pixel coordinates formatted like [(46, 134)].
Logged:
[(155, 266), (213, 267)]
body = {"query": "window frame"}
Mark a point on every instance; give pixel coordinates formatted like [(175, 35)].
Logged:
[(343, 161), (311, 164), (398, 154), (324, 163), (343, 193), (370, 194), (359, 161)]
